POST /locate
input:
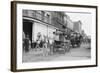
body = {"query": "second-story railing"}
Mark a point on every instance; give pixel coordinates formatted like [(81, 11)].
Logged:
[(54, 20), (36, 15)]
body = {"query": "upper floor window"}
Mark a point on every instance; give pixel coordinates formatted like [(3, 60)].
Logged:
[(48, 18), (42, 15), (25, 12)]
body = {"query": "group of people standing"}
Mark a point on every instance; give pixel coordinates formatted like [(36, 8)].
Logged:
[(43, 41), (76, 40), (26, 43)]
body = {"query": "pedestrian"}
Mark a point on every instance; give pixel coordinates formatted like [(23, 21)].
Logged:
[(38, 40), (45, 42), (27, 43), (23, 41), (56, 41)]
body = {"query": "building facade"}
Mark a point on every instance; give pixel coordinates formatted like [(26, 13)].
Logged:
[(78, 26), (44, 22)]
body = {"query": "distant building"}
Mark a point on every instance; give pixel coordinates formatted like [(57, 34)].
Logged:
[(77, 26), (70, 23)]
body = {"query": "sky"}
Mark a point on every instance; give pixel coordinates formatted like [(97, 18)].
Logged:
[(85, 18)]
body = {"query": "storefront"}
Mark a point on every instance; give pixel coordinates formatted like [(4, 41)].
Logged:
[(33, 27), (44, 29)]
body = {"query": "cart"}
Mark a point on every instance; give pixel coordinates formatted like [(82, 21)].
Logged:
[(76, 41), (61, 47)]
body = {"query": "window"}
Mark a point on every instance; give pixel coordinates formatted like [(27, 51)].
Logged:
[(42, 15), (48, 18)]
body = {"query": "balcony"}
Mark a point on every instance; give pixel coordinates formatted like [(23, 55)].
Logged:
[(53, 19), (36, 15), (58, 22)]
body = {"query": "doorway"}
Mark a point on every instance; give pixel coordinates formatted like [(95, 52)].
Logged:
[(27, 28)]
